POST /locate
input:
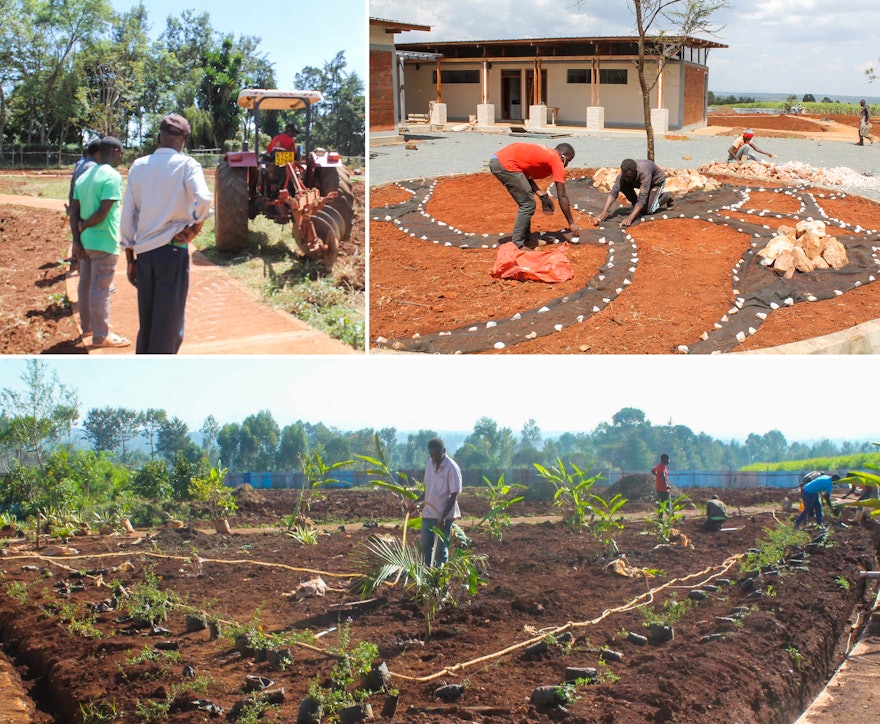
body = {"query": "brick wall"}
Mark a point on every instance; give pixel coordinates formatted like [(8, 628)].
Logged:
[(695, 77), (382, 91)]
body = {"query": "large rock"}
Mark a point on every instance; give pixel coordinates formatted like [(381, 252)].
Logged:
[(776, 246), (834, 252), (816, 226), (801, 261), (785, 264), (811, 243)]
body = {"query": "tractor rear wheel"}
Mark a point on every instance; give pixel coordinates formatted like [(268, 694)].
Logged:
[(338, 178), (230, 208)]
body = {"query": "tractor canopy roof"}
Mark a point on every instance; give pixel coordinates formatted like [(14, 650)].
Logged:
[(277, 100)]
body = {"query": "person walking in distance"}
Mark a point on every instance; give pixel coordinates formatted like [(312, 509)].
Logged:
[(94, 222), (864, 123), (166, 203), (661, 480), (439, 503)]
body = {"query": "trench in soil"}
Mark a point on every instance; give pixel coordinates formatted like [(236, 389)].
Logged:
[(541, 579)]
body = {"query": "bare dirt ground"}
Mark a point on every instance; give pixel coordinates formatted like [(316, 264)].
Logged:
[(35, 314), (685, 280), (822, 127), (745, 650)]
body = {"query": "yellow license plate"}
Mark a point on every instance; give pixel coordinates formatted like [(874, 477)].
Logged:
[(282, 158)]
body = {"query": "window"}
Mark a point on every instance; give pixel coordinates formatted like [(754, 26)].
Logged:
[(609, 76), (457, 76)]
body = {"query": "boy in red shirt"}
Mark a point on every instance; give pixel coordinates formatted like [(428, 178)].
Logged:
[(517, 166)]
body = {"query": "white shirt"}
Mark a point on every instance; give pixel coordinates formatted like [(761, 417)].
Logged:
[(439, 485), (166, 193)]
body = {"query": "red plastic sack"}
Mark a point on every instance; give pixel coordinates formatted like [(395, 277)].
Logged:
[(526, 265)]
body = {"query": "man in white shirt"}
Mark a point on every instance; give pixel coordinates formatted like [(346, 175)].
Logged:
[(440, 507), (166, 203)]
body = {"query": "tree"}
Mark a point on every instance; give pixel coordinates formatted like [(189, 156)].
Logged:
[(210, 430), (687, 19), (294, 446), (337, 122), (258, 444), (151, 422), (218, 90), (38, 414), (109, 428), (173, 438), (628, 417), (809, 98)]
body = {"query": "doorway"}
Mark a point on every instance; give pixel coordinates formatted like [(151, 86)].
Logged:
[(511, 94)]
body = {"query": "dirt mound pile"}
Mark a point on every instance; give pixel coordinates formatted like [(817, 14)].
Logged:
[(804, 248), (792, 173), (637, 488)]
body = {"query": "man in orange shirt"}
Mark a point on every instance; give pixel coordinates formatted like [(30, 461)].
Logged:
[(517, 166), (286, 140)]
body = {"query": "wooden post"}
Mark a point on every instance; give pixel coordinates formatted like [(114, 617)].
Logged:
[(439, 84)]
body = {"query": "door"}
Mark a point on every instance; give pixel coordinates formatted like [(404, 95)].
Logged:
[(511, 95)]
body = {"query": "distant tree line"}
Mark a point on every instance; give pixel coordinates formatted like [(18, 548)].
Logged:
[(69, 67)]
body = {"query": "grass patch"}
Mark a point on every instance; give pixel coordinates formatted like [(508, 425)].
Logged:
[(47, 187)]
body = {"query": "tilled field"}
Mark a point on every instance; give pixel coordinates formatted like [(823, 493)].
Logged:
[(746, 649)]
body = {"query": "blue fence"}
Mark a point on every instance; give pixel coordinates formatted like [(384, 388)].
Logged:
[(529, 476)]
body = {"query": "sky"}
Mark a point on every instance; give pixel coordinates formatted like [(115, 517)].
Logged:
[(294, 34), (775, 46), (725, 396)]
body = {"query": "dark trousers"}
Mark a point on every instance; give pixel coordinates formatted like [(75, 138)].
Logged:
[(812, 506), (520, 189), (162, 286)]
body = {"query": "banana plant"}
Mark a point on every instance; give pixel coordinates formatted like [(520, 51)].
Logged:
[(572, 495), (499, 501), (865, 479), (668, 515), (606, 525)]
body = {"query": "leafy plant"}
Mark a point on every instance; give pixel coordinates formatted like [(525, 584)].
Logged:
[(317, 474), (605, 524), (96, 712), (252, 711), (146, 603), (351, 664), (18, 592), (572, 494), (148, 654), (772, 548), (669, 515), (500, 500), (604, 673), (382, 476), (797, 658), (79, 620), (673, 609), (387, 557), (304, 535), (843, 582), (212, 490)]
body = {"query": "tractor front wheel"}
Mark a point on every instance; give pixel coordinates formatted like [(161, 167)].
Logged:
[(230, 208)]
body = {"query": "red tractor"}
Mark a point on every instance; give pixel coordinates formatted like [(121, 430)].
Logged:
[(311, 190)]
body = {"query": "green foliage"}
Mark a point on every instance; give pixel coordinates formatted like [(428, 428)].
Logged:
[(797, 658), (382, 476), (18, 592), (304, 535), (672, 611), (668, 515), (865, 479), (96, 712), (772, 547), (831, 462), (501, 496), (385, 558), (79, 620), (146, 603), (843, 582), (606, 523), (151, 655), (572, 495), (253, 709), (212, 490)]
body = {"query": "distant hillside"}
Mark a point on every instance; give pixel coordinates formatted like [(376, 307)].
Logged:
[(783, 96)]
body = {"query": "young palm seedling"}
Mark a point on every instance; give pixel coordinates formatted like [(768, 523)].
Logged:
[(501, 497)]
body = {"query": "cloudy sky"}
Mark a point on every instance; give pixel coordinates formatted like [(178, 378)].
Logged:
[(724, 396), (294, 34), (775, 46)]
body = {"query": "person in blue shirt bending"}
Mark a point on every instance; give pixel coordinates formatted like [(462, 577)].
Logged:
[(813, 486)]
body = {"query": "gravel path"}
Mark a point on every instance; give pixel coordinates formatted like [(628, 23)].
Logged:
[(445, 153)]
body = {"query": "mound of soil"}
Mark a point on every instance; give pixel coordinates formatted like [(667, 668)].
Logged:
[(635, 488), (685, 281), (731, 651)]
